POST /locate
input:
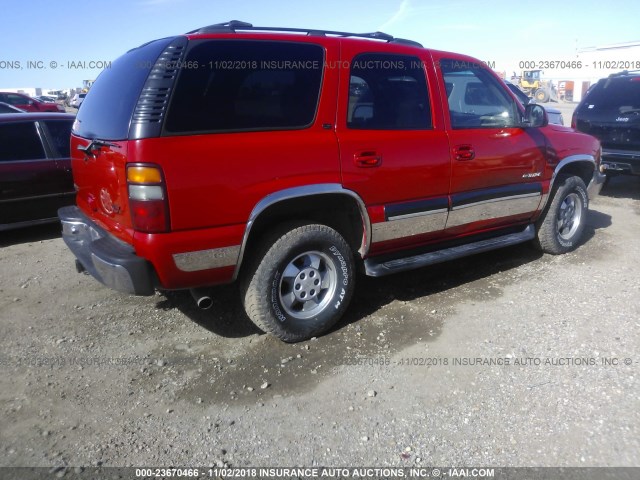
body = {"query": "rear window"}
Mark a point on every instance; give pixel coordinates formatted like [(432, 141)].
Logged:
[(246, 85), (108, 107), (20, 141), (388, 92), (619, 94)]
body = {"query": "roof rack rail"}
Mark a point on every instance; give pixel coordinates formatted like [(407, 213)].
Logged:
[(624, 72), (235, 25), (230, 26), (405, 41)]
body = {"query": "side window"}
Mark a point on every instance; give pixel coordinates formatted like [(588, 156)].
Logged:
[(476, 98), (16, 99), (60, 135), (388, 92), (246, 85), (20, 141)]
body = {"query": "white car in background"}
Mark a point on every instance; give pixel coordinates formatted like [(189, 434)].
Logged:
[(77, 99), (46, 98)]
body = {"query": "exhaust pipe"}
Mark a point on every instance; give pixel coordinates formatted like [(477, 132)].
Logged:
[(202, 296), (79, 267)]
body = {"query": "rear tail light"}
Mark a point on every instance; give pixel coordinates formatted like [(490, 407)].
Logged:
[(573, 121), (147, 198)]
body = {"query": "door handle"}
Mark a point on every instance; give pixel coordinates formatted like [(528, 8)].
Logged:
[(464, 152), (367, 159)]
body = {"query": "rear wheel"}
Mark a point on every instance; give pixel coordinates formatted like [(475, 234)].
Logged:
[(561, 226), (300, 282)]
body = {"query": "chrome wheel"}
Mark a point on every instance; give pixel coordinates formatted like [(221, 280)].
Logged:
[(307, 285), (569, 216)]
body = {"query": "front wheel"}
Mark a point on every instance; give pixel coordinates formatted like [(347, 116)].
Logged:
[(300, 283), (561, 226)]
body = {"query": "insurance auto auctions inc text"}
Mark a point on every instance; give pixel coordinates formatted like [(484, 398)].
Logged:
[(368, 472)]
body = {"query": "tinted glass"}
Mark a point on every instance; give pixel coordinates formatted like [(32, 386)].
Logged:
[(246, 85), (5, 108), (476, 98), (20, 141), (16, 99), (621, 95), (60, 135), (388, 92), (107, 110), (522, 97)]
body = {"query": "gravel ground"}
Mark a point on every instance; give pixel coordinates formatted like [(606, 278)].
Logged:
[(510, 358)]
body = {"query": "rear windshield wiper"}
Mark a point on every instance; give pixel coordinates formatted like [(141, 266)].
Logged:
[(96, 144)]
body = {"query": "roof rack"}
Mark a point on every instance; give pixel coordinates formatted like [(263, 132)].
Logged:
[(624, 72), (234, 25)]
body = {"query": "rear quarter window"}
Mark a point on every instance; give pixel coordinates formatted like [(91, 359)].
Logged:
[(246, 86)]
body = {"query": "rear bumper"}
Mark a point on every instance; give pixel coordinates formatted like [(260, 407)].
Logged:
[(109, 260), (620, 161)]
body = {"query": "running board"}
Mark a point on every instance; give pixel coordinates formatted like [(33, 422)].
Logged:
[(374, 268)]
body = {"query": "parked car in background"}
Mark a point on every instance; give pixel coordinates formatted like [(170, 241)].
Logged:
[(611, 112), (58, 94), (555, 115), (35, 168), (46, 99), (77, 99), (28, 104), (6, 108)]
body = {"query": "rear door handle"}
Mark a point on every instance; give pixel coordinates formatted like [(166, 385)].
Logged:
[(367, 159), (464, 152)]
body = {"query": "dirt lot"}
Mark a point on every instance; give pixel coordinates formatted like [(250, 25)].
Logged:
[(510, 358)]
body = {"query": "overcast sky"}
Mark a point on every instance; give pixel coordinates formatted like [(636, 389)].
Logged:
[(57, 36)]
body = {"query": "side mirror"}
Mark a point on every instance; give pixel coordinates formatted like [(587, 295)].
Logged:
[(535, 116)]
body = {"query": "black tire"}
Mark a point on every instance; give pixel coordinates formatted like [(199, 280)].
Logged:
[(300, 282), (542, 95), (560, 228)]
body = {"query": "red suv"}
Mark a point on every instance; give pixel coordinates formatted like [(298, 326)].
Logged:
[(28, 104), (290, 159)]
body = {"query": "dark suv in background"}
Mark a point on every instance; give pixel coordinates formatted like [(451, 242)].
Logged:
[(611, 112)]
